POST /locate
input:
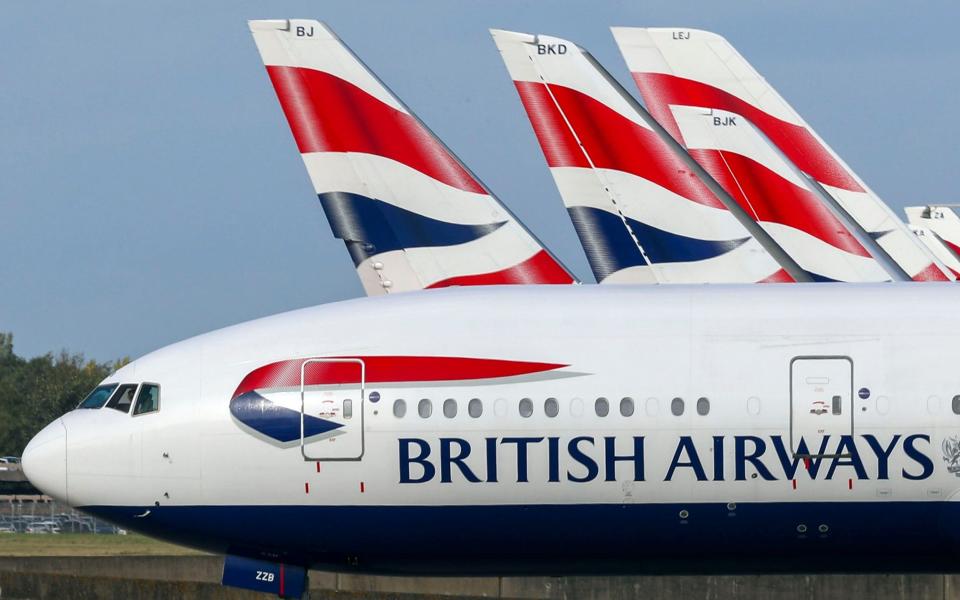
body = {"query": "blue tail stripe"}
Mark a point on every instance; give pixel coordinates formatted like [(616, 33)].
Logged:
[(610, 248), (275, 421), (370, 227)]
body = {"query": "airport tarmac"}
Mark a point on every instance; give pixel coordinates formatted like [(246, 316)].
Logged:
[(198, 576)]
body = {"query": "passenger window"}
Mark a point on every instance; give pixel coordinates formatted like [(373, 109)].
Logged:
[(449, 408), (475, 407), (551, 407), (98, 397), (956, 405), (347, 408), (703, 406), (425, 408), (123, 397), (602, 407), (148, 400), (676, 406), (399, 408), (526, 407), (626, 407)]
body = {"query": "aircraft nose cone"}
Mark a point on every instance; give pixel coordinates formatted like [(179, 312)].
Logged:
[(44, 460)]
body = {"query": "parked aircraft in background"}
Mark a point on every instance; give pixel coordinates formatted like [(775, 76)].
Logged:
[(696, 85), (939, 228), (410, 213), (641, 215)]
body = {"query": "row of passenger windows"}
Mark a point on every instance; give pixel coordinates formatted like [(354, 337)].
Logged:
[(121, 397), (551, 407)]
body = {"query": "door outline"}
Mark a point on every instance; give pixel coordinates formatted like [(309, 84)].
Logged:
[(363, 378), (852, 411)]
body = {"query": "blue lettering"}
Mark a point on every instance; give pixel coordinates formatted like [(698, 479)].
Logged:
[(919, 457), (491, 460), (573, 447), (846, 443), (686, 445), (553, 454), (447, 460), (718, 458), (883, 454), (742, 458), (522, 443), (428, 469), (610, 447)]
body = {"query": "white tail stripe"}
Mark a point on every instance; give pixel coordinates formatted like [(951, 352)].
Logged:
[(821, 258), (385, 179), (322, 51), (647, 202), (520, 54), (725, 267), (699, 132), (703, 56)]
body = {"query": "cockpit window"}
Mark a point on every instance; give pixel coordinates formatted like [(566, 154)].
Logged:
[(148, 400), (98, 397), (123, 397)]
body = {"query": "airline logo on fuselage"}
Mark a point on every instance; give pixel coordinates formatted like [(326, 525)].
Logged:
[(279, 424), (586, 458)]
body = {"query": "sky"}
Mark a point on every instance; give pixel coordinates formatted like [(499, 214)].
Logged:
[(150, 189)]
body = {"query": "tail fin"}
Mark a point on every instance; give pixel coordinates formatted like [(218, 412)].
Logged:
[(410, 213), (938, 227), (640, 216), (684, 70)]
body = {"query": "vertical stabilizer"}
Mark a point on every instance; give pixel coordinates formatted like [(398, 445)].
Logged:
[(410, 213)]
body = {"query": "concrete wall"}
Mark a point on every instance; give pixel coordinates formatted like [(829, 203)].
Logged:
[(198, 577)]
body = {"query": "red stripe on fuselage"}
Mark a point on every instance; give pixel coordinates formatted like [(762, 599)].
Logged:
[(611, 140), (387, 369), (329, 114), (540, 268), (769, 197), (660, 90)]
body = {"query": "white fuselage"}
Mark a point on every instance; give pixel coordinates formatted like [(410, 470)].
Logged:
[(723, 382)]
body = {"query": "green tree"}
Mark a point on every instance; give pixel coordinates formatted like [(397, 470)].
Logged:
[(36, 391)]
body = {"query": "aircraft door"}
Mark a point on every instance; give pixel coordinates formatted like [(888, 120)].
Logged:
[(821, 400), (331, 408)]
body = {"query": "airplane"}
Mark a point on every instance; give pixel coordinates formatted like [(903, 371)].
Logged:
[(683, 73), (538, 429), (411, 215), (604, 150), (938, 227)]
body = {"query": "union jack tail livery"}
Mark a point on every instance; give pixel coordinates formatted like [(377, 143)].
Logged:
[(641, 216), (938, 227), (410, 213), (711, 99)]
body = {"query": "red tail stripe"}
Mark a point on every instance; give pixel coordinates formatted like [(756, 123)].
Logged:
[(611, 140), (780, 276), (776, 200), (329, 114), (660, 90), (538, 269), (950, 245), (931, 273), (387, 369)]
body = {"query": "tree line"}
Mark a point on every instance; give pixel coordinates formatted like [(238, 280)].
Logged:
[(35, 391)]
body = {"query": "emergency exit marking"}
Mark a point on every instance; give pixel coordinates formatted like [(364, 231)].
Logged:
[(318, 466), (306, 487), (362, 487)]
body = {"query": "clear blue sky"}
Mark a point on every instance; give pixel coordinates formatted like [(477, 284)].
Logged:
[(150, 189)]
